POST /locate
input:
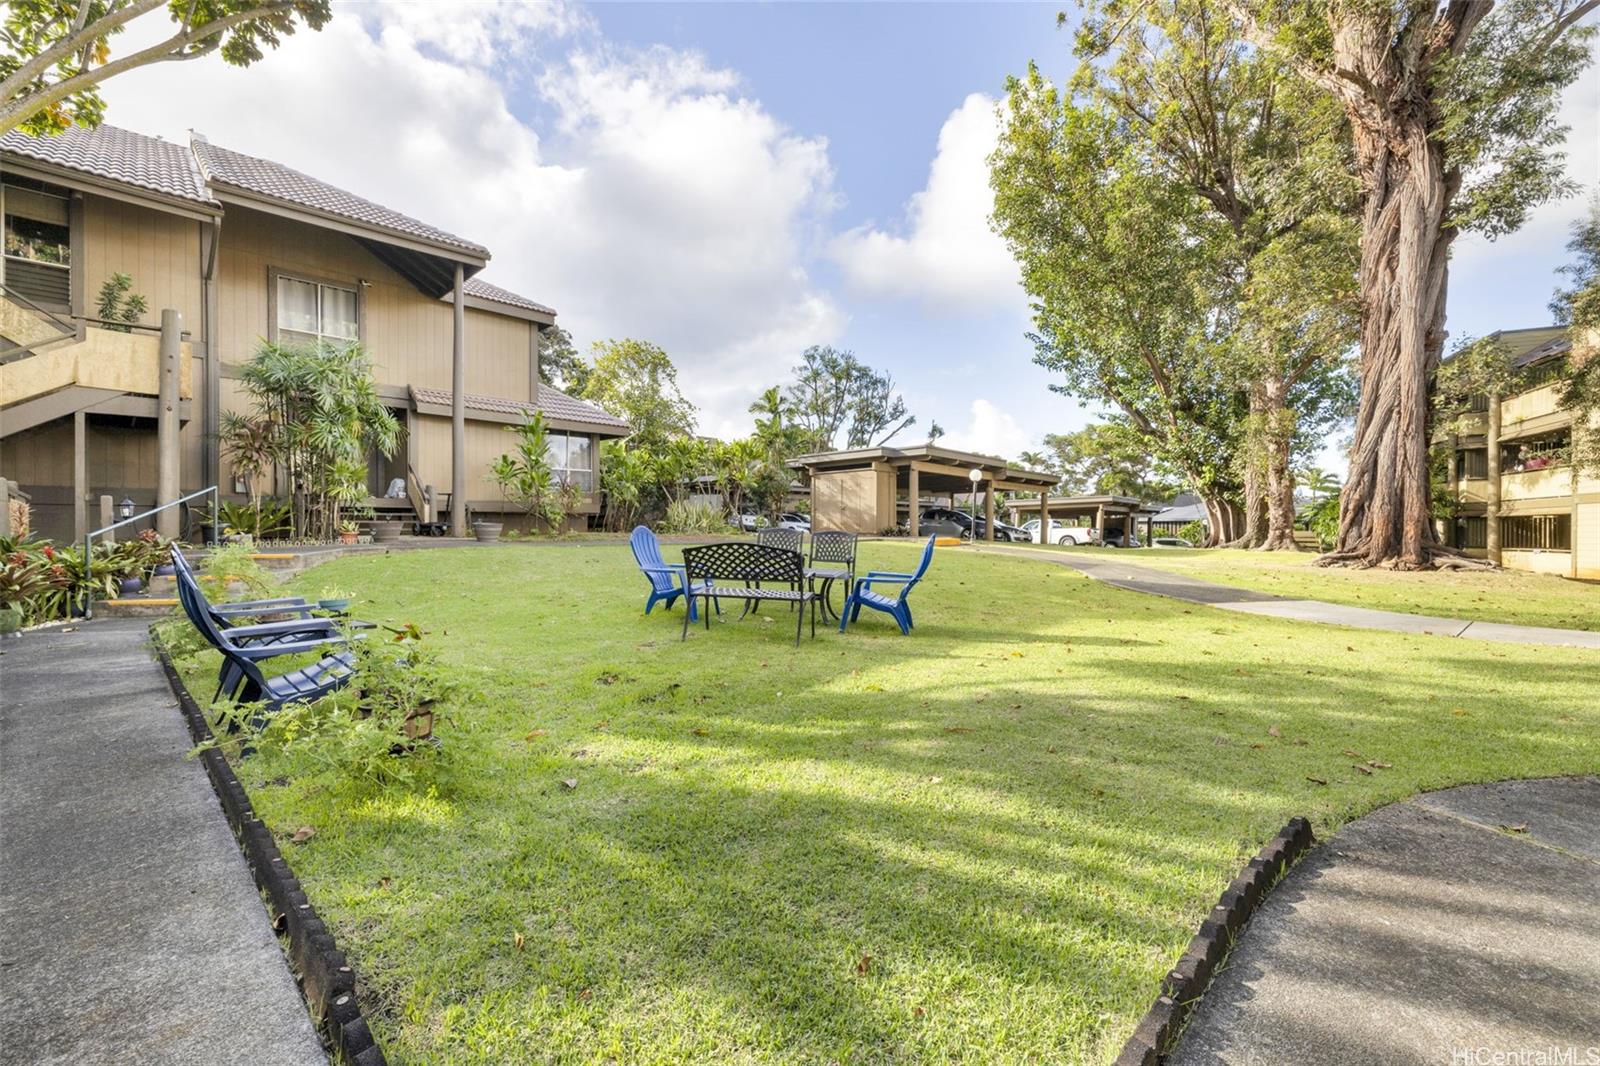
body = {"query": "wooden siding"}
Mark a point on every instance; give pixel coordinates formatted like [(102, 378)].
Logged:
[(407, 333), (160, 252), (856, 501), (486, 441)]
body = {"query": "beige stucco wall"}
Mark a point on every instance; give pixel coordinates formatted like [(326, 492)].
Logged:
[(1539, 562), (1586, 540), (856, 501)]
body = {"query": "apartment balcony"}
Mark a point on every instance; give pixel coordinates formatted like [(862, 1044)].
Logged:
[(106, 360), (1540, 403), (1551, 481), (1472, 490)]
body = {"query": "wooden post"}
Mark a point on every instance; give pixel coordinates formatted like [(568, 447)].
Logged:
[(167, 444), (988, 510), (913, 496), (5, 508), (80, 475), (1100, 524), (107, 511), (1044, 517), (458, 412), (1491, 506)]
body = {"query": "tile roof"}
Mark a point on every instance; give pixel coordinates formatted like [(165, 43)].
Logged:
[(118, 155), (552, 402), (278, 182), (483, 290)]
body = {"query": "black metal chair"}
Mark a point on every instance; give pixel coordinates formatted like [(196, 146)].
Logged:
[(789, 539), (836, 551), (713, 570)]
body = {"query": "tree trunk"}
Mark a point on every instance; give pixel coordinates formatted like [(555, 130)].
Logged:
[(1255, 510), (1385, 517), (1277, 441)]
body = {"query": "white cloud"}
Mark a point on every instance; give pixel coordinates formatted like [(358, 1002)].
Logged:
[(660, 202), (949, 257), (990, 431)]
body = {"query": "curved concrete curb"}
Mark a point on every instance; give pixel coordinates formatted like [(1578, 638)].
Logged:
[(1461, 925), (326, 977), (1182, 988)]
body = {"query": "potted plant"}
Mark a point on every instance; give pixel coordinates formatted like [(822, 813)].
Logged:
[(334, 599), (487, 531), (349, 530), (384, 529)]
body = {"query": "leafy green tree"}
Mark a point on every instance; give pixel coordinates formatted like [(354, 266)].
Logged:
[(559, 362), (322, 409), (1452, 110), (833, 391), (57, 53), (625, 477), (636, 381), (1108, 458), (1266, 155), (1578, 308), (1126, 281)]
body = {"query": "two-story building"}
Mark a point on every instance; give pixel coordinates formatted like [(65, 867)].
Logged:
[(245, 249), (1519, 500)]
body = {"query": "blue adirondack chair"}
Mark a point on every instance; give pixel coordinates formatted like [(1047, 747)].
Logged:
[(219, 624), (667, 580), (896, 607)]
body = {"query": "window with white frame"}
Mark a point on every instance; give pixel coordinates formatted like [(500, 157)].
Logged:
[(572, 458), (310, 311)]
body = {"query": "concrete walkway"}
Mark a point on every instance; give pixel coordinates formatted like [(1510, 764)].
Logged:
[(1440, 930), (130, 928), (1230, 598)]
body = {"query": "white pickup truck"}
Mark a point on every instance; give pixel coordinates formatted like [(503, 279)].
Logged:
[(1062, 533)]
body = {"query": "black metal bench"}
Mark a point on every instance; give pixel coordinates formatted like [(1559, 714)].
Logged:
[(739, 570)]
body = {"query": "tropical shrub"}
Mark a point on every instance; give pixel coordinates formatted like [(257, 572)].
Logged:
[(230, 565), (30, 580), (120, 307), (1193, 532), (684, 516), (319, 410)]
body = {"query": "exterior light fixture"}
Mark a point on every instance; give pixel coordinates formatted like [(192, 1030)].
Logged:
[(125, 508)]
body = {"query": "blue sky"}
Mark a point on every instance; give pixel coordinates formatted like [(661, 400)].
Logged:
[(733, 181)]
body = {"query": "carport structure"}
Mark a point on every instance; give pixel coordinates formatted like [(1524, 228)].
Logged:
[(864, 490), (1092, 511)]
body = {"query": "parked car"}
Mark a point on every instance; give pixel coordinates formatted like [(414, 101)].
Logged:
[(791, 520), (1169, 542), (965, 522), (749, 521), (1061, 533)]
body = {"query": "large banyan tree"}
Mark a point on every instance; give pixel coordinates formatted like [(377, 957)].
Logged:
[(1453, 115)]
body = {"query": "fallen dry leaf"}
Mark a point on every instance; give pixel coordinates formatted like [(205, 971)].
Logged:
[(1051, 749), (702, 732), (1361, 768), (1274, 731), (303, 834), (1520, 827), (1316, 780), (569, 782), (1376, 765), (917, 1012), (533, 734), (863, 964), (1353, 753), (516, 938)]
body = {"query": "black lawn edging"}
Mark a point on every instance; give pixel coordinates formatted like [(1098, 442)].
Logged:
[(1157, 1032), (326, 977)]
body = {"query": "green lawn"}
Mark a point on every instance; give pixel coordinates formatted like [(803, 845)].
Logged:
[(982, 843), (1514, 596)]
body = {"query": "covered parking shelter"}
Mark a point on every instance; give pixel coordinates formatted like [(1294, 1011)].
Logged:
[(866, 490), (1122, 512)]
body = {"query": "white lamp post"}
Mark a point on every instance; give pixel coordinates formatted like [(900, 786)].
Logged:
[(975, 475)]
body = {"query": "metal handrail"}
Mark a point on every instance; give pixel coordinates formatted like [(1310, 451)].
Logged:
[(88, 538)]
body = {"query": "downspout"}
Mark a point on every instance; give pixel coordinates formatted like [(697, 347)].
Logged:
[(458, 412), (211, 421)]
